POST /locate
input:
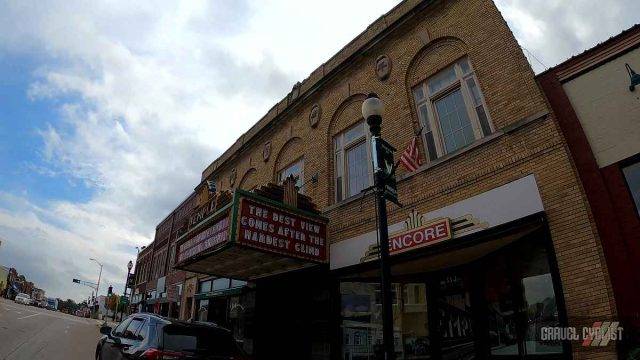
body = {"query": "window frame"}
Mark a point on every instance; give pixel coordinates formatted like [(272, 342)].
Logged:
[(132, 335), (299, 160), (432, 123), (125, 324), (341, 150), (625, 164)]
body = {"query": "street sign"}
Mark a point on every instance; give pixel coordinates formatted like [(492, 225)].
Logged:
[(384, 166)]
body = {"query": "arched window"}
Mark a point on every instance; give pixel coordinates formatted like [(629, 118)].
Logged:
[(296, 168), (451, 109), (290, 161)]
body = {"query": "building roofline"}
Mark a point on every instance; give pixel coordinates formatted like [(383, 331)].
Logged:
[(602, 52), (376, 31)]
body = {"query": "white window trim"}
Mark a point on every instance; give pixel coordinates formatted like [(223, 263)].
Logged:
[(430, 99), (345, 168)]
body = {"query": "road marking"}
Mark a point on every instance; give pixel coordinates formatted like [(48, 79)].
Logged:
[(28, 316)]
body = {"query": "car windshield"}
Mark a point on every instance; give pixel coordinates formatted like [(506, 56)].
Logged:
[(199, 340)]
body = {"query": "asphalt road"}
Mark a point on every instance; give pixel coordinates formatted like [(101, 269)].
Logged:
[(27, 332)]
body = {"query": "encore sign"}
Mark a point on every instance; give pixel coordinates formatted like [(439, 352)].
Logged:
[(212, 236), (429, 234), (281, 231)]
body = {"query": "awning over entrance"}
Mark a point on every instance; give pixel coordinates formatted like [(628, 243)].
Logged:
[(252, 237)]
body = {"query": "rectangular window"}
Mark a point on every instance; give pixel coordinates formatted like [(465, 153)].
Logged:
[(352, 169), (205, 286), (220, 284), (357, 169), (296, 169), (632, 175), (451, 109), (454, 121)]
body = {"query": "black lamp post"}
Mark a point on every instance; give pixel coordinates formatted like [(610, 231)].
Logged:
[(372, 109), (124, 295)]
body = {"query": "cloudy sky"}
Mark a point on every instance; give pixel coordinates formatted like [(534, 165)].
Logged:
[(110, 110)]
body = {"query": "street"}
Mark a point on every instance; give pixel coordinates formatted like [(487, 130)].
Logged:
[(28, 332)]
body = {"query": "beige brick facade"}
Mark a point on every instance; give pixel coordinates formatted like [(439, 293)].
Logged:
[(526, 139)]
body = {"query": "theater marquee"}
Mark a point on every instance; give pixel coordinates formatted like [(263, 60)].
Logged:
[(253, 237)]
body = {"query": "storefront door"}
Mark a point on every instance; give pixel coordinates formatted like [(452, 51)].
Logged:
[(490, 308)]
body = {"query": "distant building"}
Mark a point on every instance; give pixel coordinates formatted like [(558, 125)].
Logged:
[(597, 110), (4, 279), (38, 294)]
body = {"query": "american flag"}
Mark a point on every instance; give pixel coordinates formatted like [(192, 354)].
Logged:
[(410, 158)]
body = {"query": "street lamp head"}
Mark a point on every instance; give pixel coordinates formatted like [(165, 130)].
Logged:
[(372, 108), (130, 265)]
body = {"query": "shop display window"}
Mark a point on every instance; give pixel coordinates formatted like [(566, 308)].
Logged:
[(492, 307)]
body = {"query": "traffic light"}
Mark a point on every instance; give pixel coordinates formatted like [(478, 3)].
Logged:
[(76, 281), (110, 291)]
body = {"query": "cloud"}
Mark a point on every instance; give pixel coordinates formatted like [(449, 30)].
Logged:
[(149, 93), (554, 30)]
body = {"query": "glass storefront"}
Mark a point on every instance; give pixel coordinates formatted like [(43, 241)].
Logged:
[(230, 304), (493, 307)]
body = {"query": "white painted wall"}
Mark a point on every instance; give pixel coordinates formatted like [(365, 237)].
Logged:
[(608, 111)]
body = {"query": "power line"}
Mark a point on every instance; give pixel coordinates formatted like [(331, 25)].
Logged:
[(533, 56)]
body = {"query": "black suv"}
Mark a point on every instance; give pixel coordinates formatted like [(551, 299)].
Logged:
[(152, 337)]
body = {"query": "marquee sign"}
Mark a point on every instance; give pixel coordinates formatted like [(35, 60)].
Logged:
[(279, 230), (432, 233), (251, 236), (213, 235)]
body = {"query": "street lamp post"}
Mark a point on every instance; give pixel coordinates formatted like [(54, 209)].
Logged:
[(99, 276), (372, 109), (124, 295)]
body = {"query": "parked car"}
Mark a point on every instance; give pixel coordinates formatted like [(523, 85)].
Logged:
[(23, 299), (153, 337)]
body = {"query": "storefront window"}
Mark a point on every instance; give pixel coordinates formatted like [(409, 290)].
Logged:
[(435, 315), (541, 309), (203, 310), (362, 320), (220, 284), (632, 175), (237, 283), (455, 318), (205, 286)]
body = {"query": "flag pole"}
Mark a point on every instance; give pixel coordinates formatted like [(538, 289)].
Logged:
[(395, 166)]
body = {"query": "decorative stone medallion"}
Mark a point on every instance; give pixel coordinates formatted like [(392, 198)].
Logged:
[(295, 92), (314, 115), (266, 151), (232, 177), (383, 67)]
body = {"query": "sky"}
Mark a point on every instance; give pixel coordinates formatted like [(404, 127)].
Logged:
[(111, 109)]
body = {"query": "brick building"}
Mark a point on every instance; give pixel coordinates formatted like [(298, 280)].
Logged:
[(516, 248), (597, 112)]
